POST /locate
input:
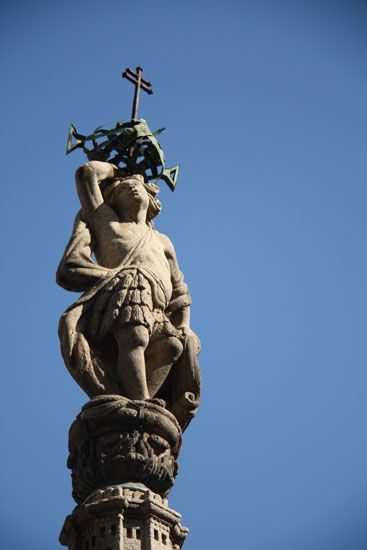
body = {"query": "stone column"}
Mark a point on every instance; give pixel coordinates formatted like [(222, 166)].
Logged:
[(122, 454), (127, 342)]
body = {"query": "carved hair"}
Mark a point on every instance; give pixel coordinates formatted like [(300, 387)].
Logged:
[(111, 192)]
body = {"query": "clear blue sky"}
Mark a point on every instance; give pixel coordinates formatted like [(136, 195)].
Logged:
[(265, 109)]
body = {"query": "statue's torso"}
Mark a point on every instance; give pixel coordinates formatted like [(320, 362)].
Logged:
[(114, 241)]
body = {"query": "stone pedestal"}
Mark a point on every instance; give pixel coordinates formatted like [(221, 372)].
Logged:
[(123, 517), (122, 455)]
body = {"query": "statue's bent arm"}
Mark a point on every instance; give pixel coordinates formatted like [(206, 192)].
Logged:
[(77, 271), (88, 177)]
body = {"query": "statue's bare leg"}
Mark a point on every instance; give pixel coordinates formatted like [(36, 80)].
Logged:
[(132, 341)]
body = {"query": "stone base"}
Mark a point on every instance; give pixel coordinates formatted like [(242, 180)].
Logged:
[(123, 517), (115, 440)]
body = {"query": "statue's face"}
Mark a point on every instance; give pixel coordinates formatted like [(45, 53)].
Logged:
[(133, 193)]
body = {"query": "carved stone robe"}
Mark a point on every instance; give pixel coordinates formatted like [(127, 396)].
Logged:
[(91, 360)]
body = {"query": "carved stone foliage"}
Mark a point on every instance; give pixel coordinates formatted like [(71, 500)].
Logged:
[(115, 440)]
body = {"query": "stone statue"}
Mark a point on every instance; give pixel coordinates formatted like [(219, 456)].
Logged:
[(129, 333), (127, 342)]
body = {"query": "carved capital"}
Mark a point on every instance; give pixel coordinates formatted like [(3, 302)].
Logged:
[(115, 440)]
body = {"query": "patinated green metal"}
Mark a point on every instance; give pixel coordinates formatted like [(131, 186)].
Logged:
[(129, 145)]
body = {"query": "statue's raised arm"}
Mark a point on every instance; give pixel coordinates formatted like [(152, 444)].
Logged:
[(88, 180)]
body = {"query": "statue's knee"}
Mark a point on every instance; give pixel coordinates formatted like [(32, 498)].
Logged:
[(139, 335), (175, 347), (132, 336)]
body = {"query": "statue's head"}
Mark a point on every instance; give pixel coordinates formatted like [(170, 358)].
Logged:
[(132, 193)]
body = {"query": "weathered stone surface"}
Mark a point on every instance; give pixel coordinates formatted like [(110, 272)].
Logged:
[(123, 517), (116, 440), (127, 342), (129, 332)]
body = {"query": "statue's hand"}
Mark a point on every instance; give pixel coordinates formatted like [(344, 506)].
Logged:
[(101, 170)]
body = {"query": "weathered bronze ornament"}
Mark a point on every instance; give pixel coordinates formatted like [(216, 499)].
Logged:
[(130, 145)]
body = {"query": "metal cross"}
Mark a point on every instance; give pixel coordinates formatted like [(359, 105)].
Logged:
[(140, 83)]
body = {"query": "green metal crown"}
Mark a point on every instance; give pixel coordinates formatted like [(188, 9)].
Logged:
[(131, 145)]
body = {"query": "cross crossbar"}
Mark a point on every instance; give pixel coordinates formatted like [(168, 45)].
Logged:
[(140, 83), (144, 81), (143, 86)]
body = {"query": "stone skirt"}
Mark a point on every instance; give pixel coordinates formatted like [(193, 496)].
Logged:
[(128, 299)]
